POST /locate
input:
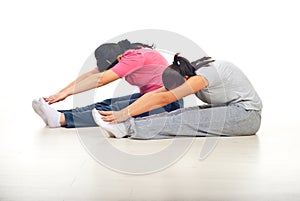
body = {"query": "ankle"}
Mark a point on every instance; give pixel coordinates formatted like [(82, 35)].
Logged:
[(62, 120)]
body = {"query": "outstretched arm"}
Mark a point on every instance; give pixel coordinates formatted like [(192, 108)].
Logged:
[(156, 99), (51, 100), (87, 81)]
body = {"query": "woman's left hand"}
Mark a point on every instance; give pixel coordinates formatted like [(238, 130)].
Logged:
[(114, 116), (60, 96)]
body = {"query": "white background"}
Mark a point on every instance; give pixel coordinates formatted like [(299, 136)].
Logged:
[(43, 44)]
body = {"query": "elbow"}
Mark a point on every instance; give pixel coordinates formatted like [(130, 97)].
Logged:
[(99, 80), (98, 83)]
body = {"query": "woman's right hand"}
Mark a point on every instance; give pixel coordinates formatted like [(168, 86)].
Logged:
[(60, 96)]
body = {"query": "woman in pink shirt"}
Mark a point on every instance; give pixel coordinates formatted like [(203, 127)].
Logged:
[(140, 66)]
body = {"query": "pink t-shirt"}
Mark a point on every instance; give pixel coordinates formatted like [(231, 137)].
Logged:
[(142, 68)]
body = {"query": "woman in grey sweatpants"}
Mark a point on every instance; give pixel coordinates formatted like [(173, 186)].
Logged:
[(233, 107)]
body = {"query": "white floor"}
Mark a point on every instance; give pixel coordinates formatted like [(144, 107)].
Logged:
[(38, 163)]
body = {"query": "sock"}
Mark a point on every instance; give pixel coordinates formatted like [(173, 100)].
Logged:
[(52, 116), (97, 119), (36, 105), (118, 129)]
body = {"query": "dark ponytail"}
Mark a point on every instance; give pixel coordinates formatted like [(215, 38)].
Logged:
[(182, 66), (174, 75), (141, 45)]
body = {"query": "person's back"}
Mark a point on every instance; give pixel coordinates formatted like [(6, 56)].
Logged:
[(227, 84), (142, 68)]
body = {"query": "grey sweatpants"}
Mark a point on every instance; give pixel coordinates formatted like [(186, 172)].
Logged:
[(231, 120)]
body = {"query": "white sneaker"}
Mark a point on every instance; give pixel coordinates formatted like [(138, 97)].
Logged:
[(118, 130)]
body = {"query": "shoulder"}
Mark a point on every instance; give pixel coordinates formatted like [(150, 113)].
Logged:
[(215, 72), (132, 52), (132, 55)]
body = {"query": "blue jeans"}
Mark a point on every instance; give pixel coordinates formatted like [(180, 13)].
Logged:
[(82, 116)]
